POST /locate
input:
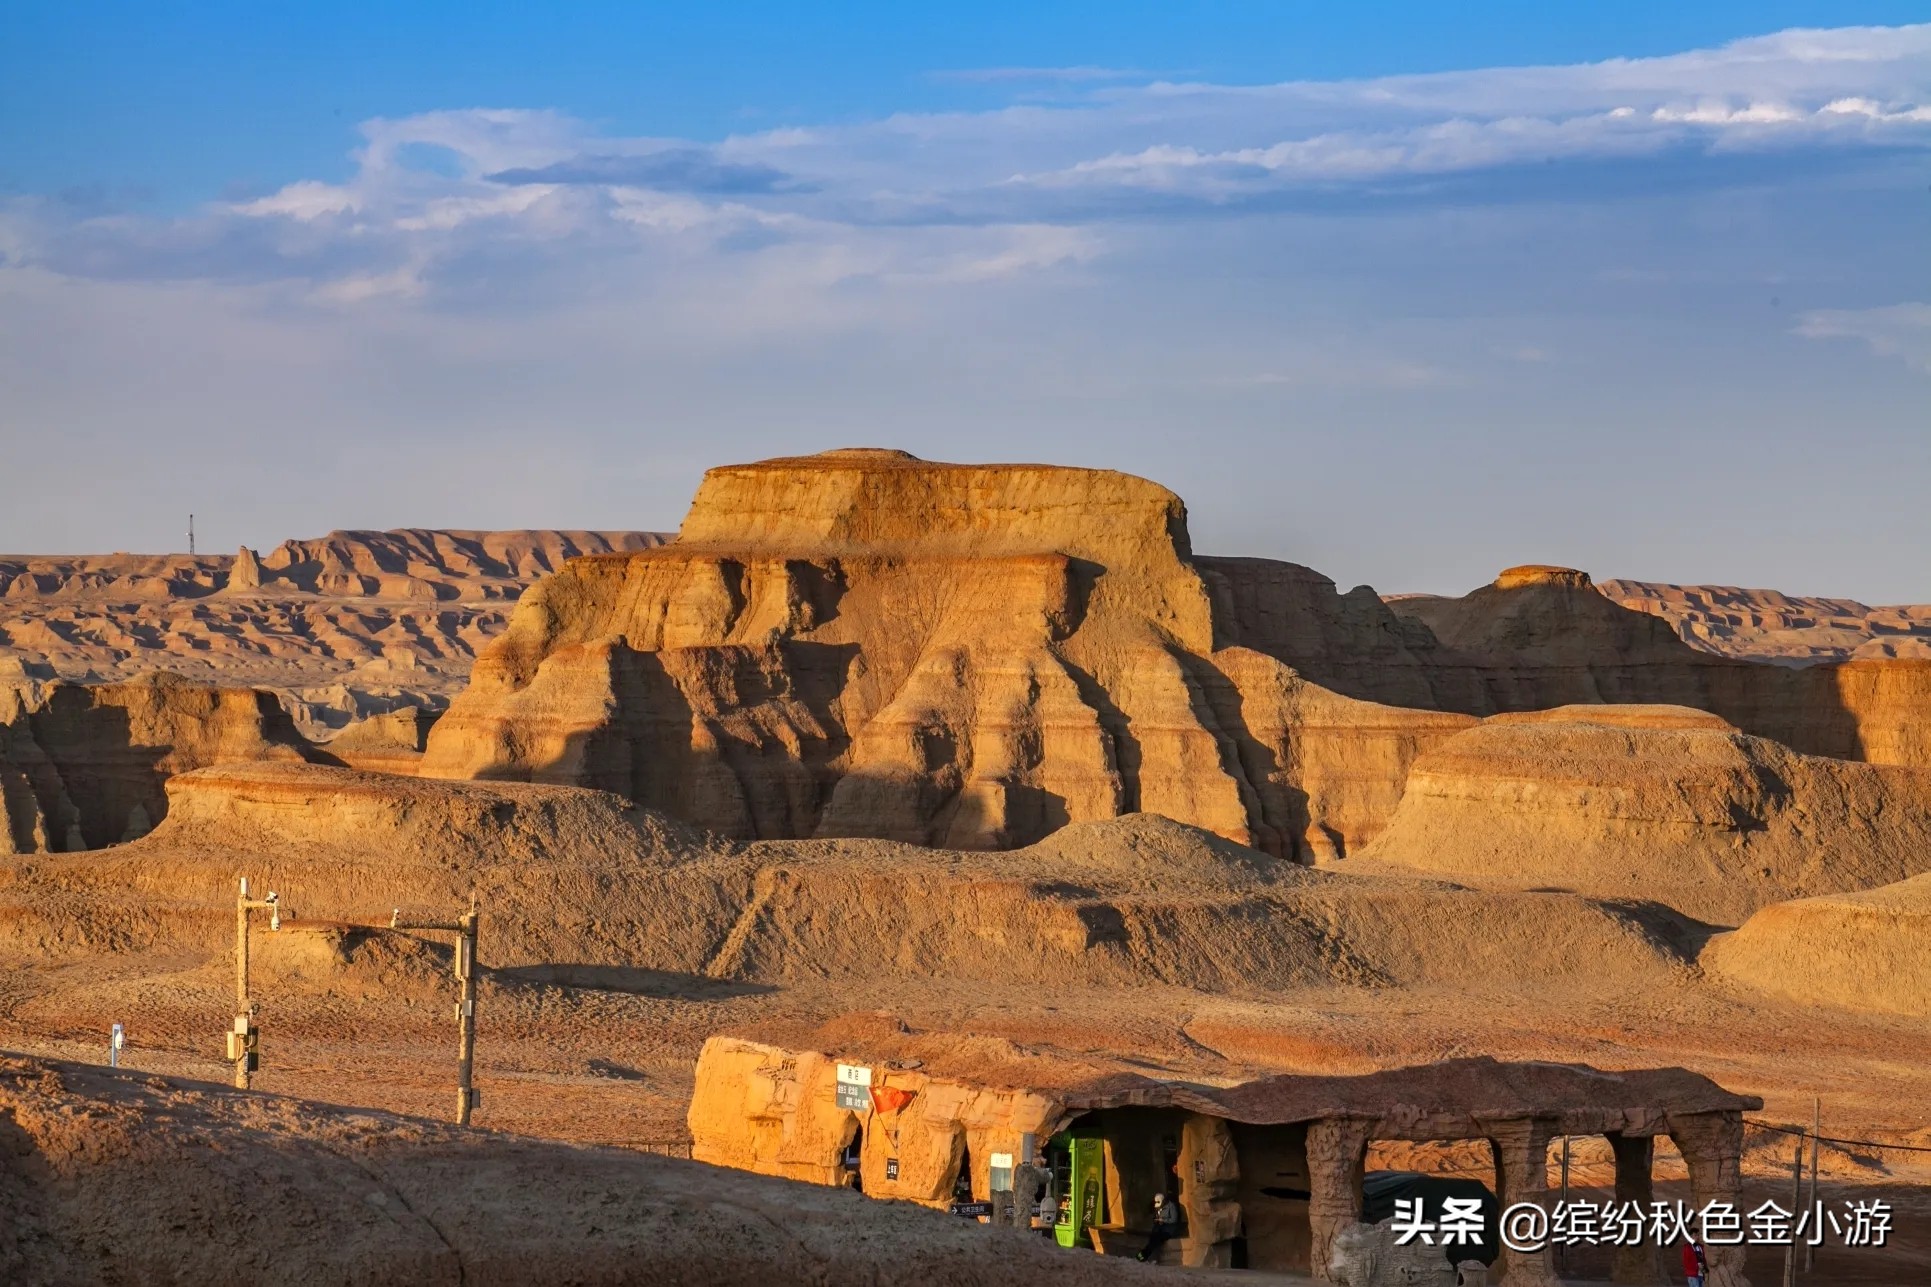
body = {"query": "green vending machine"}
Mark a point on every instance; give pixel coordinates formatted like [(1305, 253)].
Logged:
[(1079, 1156)]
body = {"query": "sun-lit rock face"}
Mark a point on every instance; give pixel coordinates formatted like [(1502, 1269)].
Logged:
[(1541, 574), (341, 627), (862, 643), (1869, 950)]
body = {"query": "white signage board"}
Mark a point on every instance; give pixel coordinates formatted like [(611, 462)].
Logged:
[(854, 1087)]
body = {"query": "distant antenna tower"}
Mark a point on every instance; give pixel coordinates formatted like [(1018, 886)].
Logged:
[(191, 535)]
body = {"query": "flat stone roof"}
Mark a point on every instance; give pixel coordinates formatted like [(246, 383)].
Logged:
[(1426, 1096)]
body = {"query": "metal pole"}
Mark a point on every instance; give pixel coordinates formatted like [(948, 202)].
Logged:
[(244, 1038), (1816, 1129)]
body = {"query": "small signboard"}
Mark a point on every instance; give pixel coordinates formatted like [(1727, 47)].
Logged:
[(854, 1090), (891, 1168), (1000, 1167), (973, 1209)]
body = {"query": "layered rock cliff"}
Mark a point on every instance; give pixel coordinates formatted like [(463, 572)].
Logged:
[(861, 643), (1768, 625), (864, 644), (83, 766)]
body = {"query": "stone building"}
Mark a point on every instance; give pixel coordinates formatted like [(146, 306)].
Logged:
[(1267, 1172)]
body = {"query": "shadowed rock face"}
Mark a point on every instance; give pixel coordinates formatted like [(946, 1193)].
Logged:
[(83, 767), (863, 644), (585, 880), (1540, 637)]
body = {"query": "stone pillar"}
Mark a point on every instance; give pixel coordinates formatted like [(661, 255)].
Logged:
[(1635, 1155), (1209, 1185), (1712, 1148), (1521, 1149), (1336, 1150)]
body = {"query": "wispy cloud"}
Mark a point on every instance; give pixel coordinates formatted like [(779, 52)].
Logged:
[(1895, 330), (682, 169)]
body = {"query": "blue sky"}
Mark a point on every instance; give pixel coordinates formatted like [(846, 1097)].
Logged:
[(174, 103), (1405, 292)]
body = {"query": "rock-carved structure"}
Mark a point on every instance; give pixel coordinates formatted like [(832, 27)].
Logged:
[(1239, 1153)]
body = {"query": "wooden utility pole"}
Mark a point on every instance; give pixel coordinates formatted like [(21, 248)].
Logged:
[(244, 1039), (1796, 1200), (464, 927), (1562, 1252)]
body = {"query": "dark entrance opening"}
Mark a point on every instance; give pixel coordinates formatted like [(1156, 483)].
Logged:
[(852, 1159)]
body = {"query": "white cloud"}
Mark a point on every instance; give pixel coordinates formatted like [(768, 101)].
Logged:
[(304, 199), (928, 198), (1895, 330)]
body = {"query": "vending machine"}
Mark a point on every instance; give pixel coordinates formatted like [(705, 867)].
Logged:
[(1079, 1157)]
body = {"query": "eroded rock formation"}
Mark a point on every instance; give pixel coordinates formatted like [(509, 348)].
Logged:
[(1540, 637), (1790, 629), (861, 643), (588, 878), (350, 624), (1868, 951), (1661, 803), (82, 766)]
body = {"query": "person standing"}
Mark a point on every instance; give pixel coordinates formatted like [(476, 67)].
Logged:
[(1695, 1269)]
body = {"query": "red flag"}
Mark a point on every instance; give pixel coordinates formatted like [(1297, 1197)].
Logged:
[(890, 1099)]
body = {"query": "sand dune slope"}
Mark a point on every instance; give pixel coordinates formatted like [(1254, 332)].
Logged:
[(1868, 951)]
